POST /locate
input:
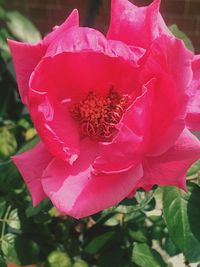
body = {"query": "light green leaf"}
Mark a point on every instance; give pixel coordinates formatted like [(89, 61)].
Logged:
[(13, 219), (58, 258), (80, 263), (182, 213), (181, 35), (145, 256), (22, 28), (194, 169), (8, 144)]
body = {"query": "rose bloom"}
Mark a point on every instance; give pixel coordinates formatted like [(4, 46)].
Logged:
[(114, 113)]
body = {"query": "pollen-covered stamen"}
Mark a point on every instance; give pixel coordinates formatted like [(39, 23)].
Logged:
[(98, 115)]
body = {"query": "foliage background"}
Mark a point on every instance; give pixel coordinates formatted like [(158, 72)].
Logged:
[(158, 228)]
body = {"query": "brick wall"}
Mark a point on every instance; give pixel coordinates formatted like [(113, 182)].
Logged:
[(47, 13)]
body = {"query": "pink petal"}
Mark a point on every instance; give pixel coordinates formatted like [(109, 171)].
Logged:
[(171, 167), (85, 53), (31, 165), (58, 31), (193, 113), (25, 57), (82, 39), (171, 95), (134, 25), (55, 125), (129, 145), (76, 192), (149, 127), (103, 66), (160, 58)]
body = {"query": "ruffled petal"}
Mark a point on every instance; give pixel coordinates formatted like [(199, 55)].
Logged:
[(26, 57), (134, 25), (31, 165), (171, 167), (193, 112), (75, 191), (58, 31), (55, 125)]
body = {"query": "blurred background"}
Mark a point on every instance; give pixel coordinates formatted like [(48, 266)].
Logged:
[(47, 13)]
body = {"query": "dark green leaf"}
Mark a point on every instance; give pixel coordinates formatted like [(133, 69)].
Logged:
[(2, 207), (170, 247), (2, 262), (138, 234), (43, 206), (113, 257), (9, 176), (145, 256), (19, 250), (98, 242), (182, 213)]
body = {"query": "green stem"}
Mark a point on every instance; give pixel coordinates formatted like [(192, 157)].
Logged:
[(4, 222)]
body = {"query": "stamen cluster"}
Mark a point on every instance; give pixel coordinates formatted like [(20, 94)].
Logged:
[(98, 115)]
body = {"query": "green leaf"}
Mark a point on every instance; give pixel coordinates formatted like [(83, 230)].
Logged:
[(43, 206), (21, 27), (145, 256), (80, 263), (13, 219), (8, 144), (169, 246), (182, 213), (2, 207), (2, 262), (181, 35), (194, 169), (58, 258), (29, 145), (98, 242), (2, 13), (19, 250), (4, 49), (9, 176), (137, 234)]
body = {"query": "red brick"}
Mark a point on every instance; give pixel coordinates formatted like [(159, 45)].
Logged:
[(37, 13), (141, 2), (196, 42), (173, 7), (47, 13), (194, 7), (186, 24)]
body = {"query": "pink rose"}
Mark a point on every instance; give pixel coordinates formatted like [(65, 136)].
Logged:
[(113, 112)]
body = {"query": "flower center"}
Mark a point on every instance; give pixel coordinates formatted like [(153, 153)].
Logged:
[(98, 115)]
